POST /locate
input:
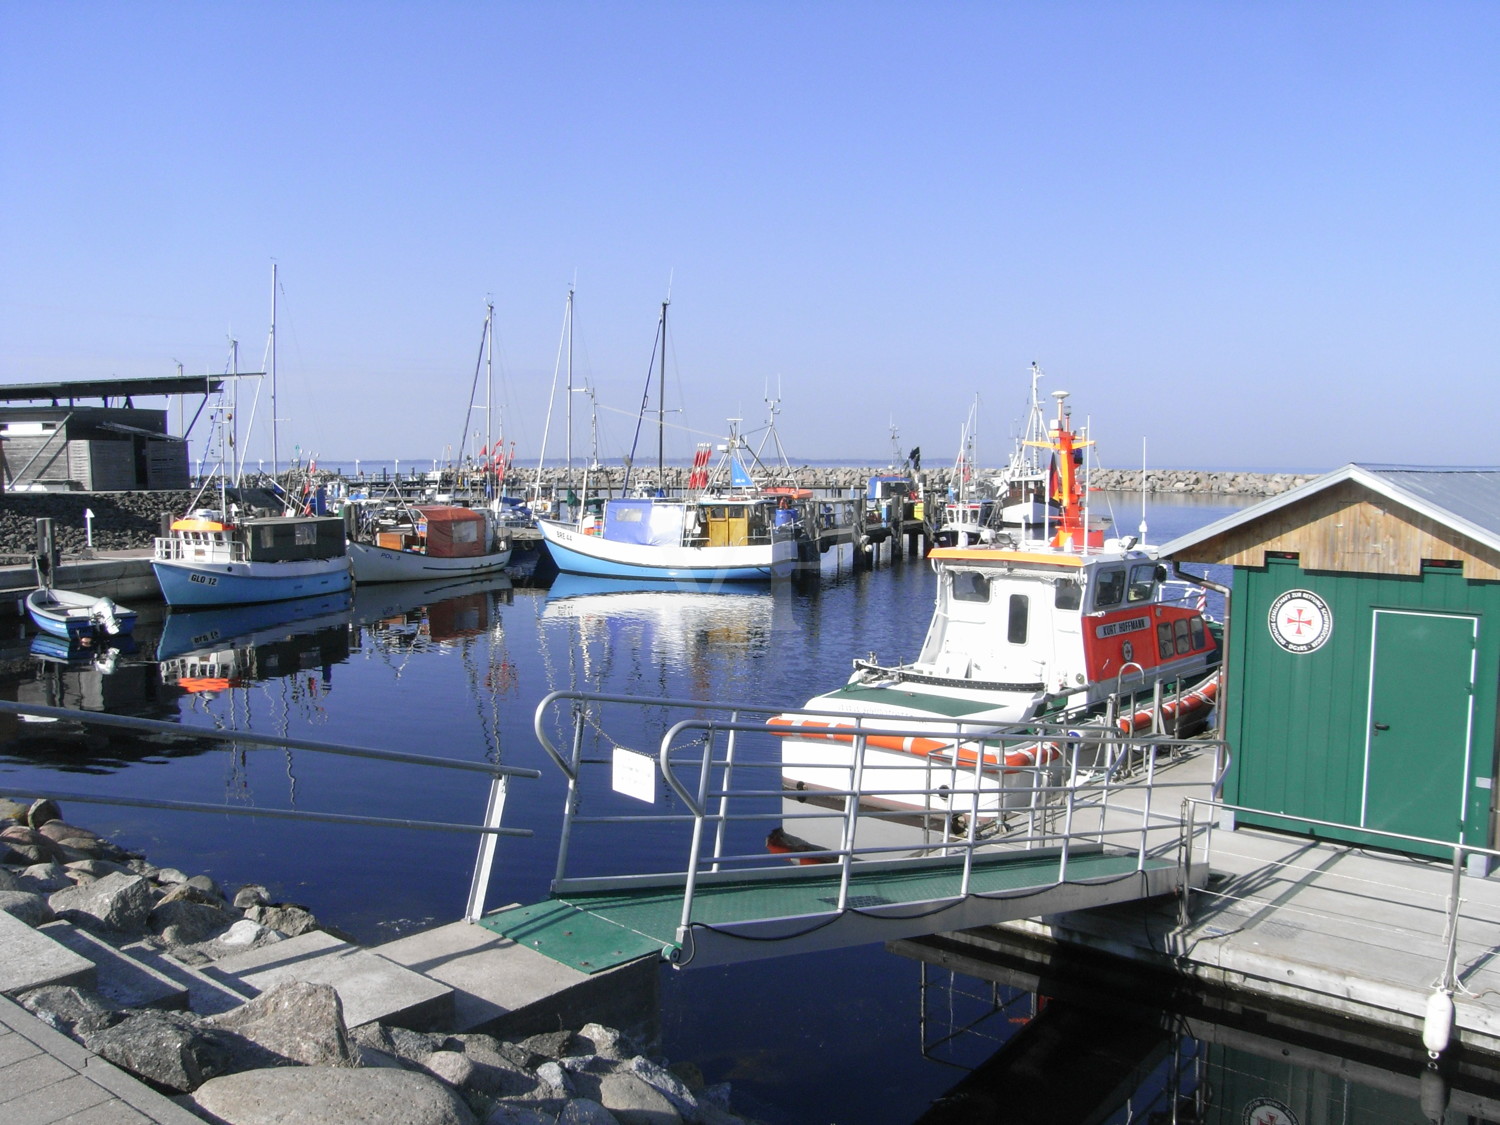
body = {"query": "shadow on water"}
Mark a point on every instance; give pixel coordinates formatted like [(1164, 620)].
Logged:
[(1040, 1033)]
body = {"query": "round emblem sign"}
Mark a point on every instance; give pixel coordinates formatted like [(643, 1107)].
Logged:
[(1300, 621), (1268, 1111)]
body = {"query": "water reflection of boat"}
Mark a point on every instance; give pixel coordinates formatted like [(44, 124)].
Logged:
[(82, 653), (212, 650), (414, 614), (679, 620), (188, 631)]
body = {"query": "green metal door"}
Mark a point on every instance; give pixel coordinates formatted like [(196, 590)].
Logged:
[(1420, 723)]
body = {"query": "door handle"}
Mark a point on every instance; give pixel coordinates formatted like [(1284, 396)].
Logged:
[(1382, 726)]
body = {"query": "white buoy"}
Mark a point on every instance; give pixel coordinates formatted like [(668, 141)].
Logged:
[(1437, 1026)]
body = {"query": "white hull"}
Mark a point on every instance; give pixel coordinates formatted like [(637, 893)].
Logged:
[(384, 564), (577, 553)]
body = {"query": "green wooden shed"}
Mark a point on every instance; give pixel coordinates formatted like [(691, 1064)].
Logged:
[(1363, 654)]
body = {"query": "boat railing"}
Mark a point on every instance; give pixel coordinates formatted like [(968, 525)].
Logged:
[(729, 808), (200, 547), (489, 829)]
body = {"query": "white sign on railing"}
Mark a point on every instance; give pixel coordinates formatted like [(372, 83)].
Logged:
[(634, 775)]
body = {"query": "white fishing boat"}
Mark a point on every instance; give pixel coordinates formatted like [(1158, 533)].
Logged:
[(425, 541), (967, 513), (1026, 493), (1071, 629), (725, 528)]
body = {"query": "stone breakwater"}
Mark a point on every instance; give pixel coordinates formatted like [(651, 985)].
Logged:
[(286, 1054), (130, 520)]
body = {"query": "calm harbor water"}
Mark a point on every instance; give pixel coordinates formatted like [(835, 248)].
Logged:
[(835, 1037)]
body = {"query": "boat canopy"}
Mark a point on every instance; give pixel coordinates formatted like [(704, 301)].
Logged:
[(452, 532), (644, 521)]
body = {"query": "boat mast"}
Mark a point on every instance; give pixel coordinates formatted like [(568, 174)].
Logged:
[(275, 449), (489, 393), (661, 406), (568, 443)]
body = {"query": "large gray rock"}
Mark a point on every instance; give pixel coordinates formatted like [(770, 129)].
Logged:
[(26, 843), (287, 918), (10, 881), (80, 840), (313, 1095), (596, 1039), (68, 1008), (162, 1047), (634, 1102), (44, 878), (667, 1084), (450, 1067), (30, 908), (294, 1021), (116, 902), (184, 922), (586, 1111)]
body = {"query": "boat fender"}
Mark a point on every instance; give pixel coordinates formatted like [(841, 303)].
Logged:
[(102, 612), (1437, 1025)]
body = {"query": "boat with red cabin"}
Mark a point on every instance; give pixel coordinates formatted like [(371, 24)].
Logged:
[(1054, 625)]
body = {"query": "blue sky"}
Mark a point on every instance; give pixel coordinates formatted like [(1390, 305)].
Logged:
[(1247, 235)]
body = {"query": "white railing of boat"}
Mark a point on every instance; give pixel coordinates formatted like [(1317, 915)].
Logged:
[(173, 548), (1106, 791)]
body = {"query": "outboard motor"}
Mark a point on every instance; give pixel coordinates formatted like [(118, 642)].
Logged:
[(102, 613)]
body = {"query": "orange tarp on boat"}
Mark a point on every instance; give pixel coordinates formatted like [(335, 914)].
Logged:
[(452, 533)]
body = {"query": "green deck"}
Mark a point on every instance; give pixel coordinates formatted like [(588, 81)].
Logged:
[(596, 930)]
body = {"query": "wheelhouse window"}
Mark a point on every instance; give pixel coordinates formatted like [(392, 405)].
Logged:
[(1142, 579), (1180, 632), (1164, 639), (1196, 631), (1111, 588), (970, 586), (1020, 611), (1067, 594)]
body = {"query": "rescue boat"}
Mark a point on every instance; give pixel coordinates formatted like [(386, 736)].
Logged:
[(1047, 628)]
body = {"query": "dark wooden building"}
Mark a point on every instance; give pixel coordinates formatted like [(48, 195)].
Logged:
[(112, 447)]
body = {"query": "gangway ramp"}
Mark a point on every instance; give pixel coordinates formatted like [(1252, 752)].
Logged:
[(744, 916), (664, 850)]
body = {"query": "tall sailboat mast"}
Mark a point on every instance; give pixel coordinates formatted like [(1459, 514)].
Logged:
[(489, 392), (568, 477), (661, 405), (275, 414)]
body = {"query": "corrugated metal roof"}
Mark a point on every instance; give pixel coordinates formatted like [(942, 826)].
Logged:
[(115, 388), (1465, 499)]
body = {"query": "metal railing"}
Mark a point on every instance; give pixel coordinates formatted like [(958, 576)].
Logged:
[(968, 790), (1460, 853), (489, 830), (172, 548)]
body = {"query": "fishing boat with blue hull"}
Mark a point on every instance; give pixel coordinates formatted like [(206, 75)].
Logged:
[(701, 540), (74, 616), (213, 558)]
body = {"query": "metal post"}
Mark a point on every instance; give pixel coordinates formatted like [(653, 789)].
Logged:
[(494, 813), (45, 560)]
